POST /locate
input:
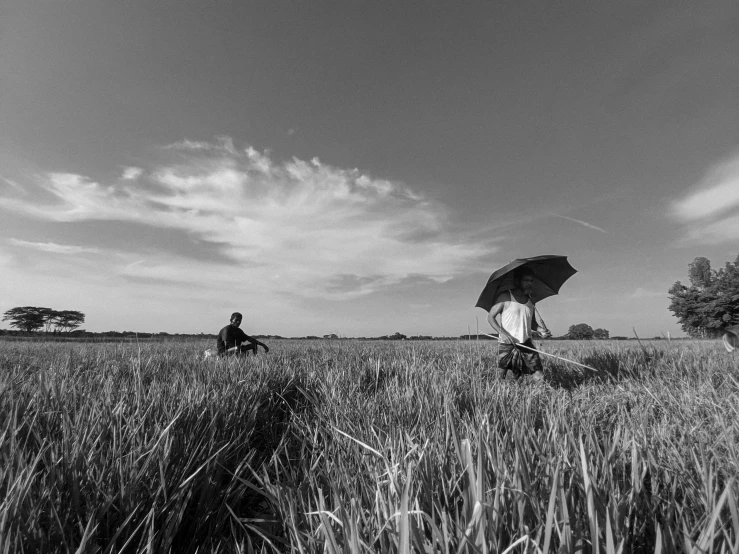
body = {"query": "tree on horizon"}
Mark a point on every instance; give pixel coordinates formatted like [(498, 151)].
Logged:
[(711, 302), (581, 331), (68, 320), (26, 318)]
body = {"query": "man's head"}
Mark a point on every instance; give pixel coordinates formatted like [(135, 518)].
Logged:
[(523, 278), (236, 319)]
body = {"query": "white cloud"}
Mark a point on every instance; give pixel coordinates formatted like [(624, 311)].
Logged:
[(52, 247), (132, 173), (6, 259), (715, 232), (710, 212), (327, 231), (641, 292)]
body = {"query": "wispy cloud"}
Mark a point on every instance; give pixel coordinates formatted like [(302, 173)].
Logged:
[(710, 212), (641, 292), (221, 143), (5, 259), (578, 221), (52, 247), (13, 184), (300, 226)]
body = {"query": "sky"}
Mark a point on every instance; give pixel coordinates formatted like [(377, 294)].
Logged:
[(361, 168)]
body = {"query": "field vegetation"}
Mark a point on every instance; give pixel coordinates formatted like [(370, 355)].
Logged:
[(343, 446)]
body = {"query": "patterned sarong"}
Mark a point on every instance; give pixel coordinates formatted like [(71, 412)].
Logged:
[(518, 360)]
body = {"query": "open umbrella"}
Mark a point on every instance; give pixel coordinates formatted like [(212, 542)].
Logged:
[(550, 272), (731, 338)]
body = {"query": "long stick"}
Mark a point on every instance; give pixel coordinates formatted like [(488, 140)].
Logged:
[(547, 354)]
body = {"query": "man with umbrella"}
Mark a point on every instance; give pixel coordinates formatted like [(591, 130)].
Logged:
[(517, 324), (511, 293)]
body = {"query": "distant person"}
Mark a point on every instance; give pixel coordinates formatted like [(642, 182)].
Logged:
[(517, 325), (230, 339)]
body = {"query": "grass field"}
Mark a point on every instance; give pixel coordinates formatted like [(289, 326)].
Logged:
[(345, 446)]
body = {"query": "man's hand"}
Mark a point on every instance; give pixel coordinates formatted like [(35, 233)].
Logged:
[(544, 332), (507, 337)]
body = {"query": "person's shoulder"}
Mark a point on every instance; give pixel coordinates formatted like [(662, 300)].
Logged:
[(504, 296), (224, 329)]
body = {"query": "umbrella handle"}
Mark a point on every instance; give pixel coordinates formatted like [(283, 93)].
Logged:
[(540, 318)]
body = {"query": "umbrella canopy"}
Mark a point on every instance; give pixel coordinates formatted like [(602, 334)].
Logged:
[(731, 338), (550, 272)]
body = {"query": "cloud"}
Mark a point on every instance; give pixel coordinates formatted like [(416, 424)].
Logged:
[(583, 223), (725, 229), (52, 247), (187, 144), (222, 143), (303, 227), (13, 184), (641, 292), (6, 259), (132, 173), (710, 212)]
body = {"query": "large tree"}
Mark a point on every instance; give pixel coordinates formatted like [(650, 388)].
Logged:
[(27, 318), (581, 331), (711, 302), (68, 320)]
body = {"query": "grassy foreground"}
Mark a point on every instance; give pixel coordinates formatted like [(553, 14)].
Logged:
[(367, 447)]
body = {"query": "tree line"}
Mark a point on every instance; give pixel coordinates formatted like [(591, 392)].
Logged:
[(704, 309), (32, 318)]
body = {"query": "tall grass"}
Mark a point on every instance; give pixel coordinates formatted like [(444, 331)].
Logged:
[(363, 447)]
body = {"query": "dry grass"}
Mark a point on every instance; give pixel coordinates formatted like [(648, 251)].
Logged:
[(365, 447)]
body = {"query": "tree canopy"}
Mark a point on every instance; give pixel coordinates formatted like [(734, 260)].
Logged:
[(68, 320), (32, 318), (581, 331), (26, 318), (711, 302)]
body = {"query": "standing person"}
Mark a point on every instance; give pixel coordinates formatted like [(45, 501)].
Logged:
[(230, 339), (518, 323)]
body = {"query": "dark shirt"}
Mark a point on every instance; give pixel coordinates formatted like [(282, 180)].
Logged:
[(230, 336)]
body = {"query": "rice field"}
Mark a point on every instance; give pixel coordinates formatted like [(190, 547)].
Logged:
[(344, 446)]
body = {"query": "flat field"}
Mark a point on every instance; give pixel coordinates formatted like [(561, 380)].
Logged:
[(344, 446)]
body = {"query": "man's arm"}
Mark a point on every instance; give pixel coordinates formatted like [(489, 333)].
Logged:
[(220, 343), (539, 327), (495, 311), (254, 341)]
